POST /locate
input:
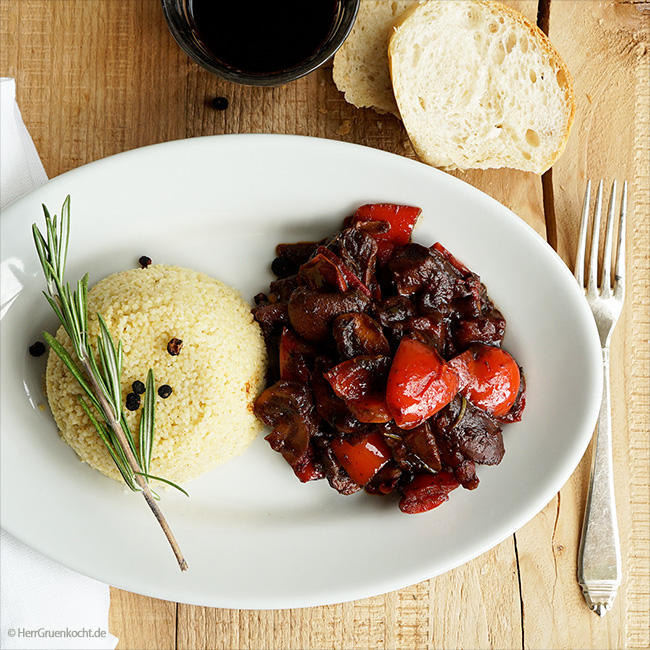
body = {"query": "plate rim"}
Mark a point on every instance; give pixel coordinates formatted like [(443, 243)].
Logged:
[(539, 502)]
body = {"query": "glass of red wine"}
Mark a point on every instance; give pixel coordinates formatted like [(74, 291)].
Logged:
[(260, 42)]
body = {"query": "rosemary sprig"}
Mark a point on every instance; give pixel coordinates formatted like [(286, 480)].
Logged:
[(100, 379)]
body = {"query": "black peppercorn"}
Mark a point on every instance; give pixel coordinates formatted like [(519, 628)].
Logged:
[(174, 346), (138, 387), (133, 401), (165, 391), (220, 103), (37, 349), (145, 261)]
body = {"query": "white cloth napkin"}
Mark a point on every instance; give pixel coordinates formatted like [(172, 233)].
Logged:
[(20, 167), (43, 605)]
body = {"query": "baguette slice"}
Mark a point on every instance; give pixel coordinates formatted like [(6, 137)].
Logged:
[(361, 63), (479, 86)]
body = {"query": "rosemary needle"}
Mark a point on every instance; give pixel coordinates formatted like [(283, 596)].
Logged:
[(101, 377)]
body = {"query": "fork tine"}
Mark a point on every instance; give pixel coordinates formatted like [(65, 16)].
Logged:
[(579, 271), (592, 285), (605, 281), (619, 271)]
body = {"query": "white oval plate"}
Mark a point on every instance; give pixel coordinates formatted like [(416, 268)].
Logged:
[(253, 535)]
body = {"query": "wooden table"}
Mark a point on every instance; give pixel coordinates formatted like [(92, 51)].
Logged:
[(97, 77)]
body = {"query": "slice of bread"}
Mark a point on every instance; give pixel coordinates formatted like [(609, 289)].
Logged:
[(479, 86), (361, 63)]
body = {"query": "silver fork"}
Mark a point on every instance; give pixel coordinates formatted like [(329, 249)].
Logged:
[(599, 557)]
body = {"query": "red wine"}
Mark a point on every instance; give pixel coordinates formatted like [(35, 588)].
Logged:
[(262, 36)]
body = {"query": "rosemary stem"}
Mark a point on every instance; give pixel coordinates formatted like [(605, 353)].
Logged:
[(71, 308), (135, 467)]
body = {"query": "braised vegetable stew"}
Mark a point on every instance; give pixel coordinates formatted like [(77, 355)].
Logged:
[(386, 369)]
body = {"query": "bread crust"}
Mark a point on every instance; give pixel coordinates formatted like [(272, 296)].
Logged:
[(496, 9)]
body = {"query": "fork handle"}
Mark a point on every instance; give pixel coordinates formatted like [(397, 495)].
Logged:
[(599, 557)]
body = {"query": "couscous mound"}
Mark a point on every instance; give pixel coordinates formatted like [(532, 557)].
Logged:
[(214, 378)]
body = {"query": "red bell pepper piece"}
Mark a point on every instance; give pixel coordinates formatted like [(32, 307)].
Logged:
[(453, 260), (488, 377), (401, 219), (361, 383), (363, 460), (420, 383), (427, 491)]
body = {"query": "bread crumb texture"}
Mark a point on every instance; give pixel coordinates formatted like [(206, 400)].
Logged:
[(208, 418), (480, 86), (361, 64)]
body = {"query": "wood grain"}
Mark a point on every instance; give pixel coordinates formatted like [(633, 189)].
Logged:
[(142, 622), (96, 77), (611, 141), (409, 618)]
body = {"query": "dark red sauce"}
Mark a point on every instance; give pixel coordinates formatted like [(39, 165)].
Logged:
[(263, 36)]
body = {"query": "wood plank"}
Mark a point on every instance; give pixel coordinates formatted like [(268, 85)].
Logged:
[(141, 622), (94, 78), (607, 51), (478, 604), (424, 615)]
